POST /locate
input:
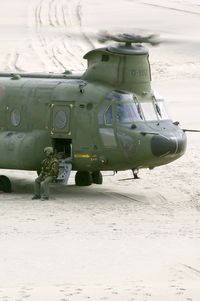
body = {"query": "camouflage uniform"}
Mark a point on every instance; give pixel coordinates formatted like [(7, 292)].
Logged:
[(49, 172)]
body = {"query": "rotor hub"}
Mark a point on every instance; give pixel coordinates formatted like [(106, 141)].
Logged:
[(129, 50)]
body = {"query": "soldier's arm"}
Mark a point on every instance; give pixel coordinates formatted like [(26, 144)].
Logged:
[(42, 166)]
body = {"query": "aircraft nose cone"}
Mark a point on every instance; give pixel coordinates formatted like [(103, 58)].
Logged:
[(163, 146)]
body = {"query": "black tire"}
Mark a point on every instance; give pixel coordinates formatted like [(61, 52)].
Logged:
[(97, 177), (5, 184), (38, 172), (83, 178)]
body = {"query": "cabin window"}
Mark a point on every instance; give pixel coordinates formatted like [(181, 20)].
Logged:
[(127, 112), (15, 117), (108, 116), (60, 119)]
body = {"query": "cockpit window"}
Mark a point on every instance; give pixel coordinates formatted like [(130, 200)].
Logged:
[(158, 110), (153, 110), (161, 109), (127, 112), (108, 115), (149, 110), (139, 110), (129, 109), (160, 106)]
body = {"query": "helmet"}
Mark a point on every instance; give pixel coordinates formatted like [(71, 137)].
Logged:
[(48, 150)]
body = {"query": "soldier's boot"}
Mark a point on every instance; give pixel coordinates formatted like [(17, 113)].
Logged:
[(36, 197), (44, 198)]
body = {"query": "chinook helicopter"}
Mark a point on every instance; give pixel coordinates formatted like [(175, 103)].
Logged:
[(106, 119)]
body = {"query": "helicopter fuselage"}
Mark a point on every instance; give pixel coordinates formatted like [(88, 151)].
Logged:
[(81, 120), (107, 119)]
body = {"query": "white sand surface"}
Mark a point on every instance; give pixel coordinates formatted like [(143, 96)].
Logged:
[(124, 240)]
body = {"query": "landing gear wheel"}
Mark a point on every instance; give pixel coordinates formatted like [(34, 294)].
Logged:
[(97, 177), (38, 172), (5, 184), (83, 178), (135, 173)]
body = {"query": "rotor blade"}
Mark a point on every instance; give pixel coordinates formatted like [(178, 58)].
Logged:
[(105, 36), (129, 37)]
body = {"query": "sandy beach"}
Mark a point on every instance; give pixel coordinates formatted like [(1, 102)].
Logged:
[(133, 240)]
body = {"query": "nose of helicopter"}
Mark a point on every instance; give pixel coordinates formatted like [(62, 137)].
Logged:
[(163, 146)]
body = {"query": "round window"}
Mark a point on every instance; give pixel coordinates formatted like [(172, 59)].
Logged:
[(60, 119), (15, 117)]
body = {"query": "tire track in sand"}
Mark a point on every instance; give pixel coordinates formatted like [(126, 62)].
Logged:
[(60, 41), (171, 8), (45, 13), (11, 62)]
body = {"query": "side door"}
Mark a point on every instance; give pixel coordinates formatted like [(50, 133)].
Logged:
[(60, 120)]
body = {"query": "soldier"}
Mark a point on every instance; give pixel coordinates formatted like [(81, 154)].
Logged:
[(49, 172)]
